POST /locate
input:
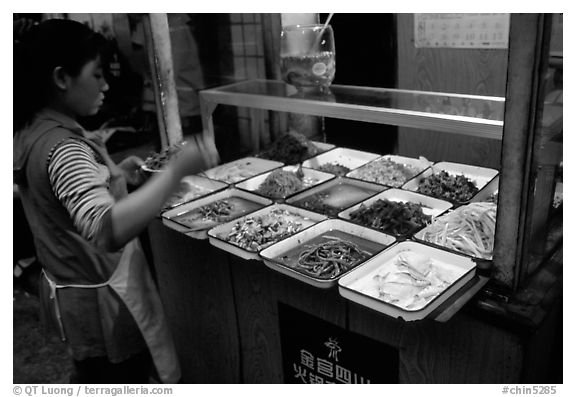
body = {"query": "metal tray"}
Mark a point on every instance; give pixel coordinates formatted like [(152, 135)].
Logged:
[(323, 146), (419, 236), (241, 169), (311, 178), (479, 175), (193, 187), (487, 192), (272, 255), (359, 285), (337, 201), (169, 217), (349, 158), (418, 164), (218, 235), (430, 206)]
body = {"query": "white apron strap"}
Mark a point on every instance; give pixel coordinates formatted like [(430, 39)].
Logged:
[(54, 297)]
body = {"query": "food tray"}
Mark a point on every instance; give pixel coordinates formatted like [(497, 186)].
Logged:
[(323, 146), (241, 169), (479, 175), (419, 165), (191, 188), (359, 285), (361, 236), (311, 178), (349, 158), (343, 193), (430, 206), (218, 234), (487, 193), (169, 218), (460, 230)]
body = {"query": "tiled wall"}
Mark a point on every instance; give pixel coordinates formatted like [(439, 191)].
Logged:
[(248, 57)]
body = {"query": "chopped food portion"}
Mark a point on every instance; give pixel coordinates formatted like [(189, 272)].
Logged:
[(442, 185), (391, 217), (290, 148), (280, 183)]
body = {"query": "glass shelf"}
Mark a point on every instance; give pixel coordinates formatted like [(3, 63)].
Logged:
[(473, 115)]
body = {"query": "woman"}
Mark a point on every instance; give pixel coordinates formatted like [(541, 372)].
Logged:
[(96, 285)]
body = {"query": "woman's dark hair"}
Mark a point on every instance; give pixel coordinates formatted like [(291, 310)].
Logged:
[(52, 43)]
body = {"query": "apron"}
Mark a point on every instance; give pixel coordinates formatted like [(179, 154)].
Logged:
[(132, 282)]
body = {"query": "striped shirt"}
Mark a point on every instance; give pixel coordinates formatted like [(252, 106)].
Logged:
[(80, 181)]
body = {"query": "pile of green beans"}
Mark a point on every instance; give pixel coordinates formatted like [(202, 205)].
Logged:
[(330, 259)]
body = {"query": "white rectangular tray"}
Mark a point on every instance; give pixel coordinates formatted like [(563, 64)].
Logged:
[(168, 216), (349, 158), (311, 178), (217, 235), (358, 286), (299, 239), (194, 187), (487, 192), (418, 164), (431, 206), (419, 236), (241, 169), (333, 183), (323, 146), (479, 175)]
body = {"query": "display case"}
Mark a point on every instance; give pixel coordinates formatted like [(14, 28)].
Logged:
[(528, 131)]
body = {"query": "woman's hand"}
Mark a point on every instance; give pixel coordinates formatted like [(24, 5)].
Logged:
[(131, 167), (188, 160)]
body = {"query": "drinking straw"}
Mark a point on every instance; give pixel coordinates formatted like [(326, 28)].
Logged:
[(317, 41)]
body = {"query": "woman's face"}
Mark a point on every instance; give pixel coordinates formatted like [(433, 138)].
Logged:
[(84, 94)]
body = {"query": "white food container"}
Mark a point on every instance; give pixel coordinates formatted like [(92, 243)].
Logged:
[(487, 192), (168, 217), (419, 236), (349, 158), (418, 164), (479, 175), (323, 146), (311, 178), (341, 201), (359, 286), (270, 254), (241, 169), (218, 235), (195, 187), (430, 206)]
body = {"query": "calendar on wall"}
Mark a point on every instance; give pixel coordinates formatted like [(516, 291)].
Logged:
[(461, 30)]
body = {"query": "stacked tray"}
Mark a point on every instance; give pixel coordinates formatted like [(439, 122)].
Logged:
[(303, 256), (390, 170), (340, 161), (196, 217), (408, 280), (479, 176), (430, 207), (337, 194), (247, 236), (241, 169), (309, 178)]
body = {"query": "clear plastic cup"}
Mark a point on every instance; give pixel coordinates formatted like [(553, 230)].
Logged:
[(307, 56)]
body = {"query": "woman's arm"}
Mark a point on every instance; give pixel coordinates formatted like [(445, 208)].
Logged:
[(131, 214)]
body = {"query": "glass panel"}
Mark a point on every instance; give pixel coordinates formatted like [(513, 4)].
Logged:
[(544, 229), (489, 108)]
